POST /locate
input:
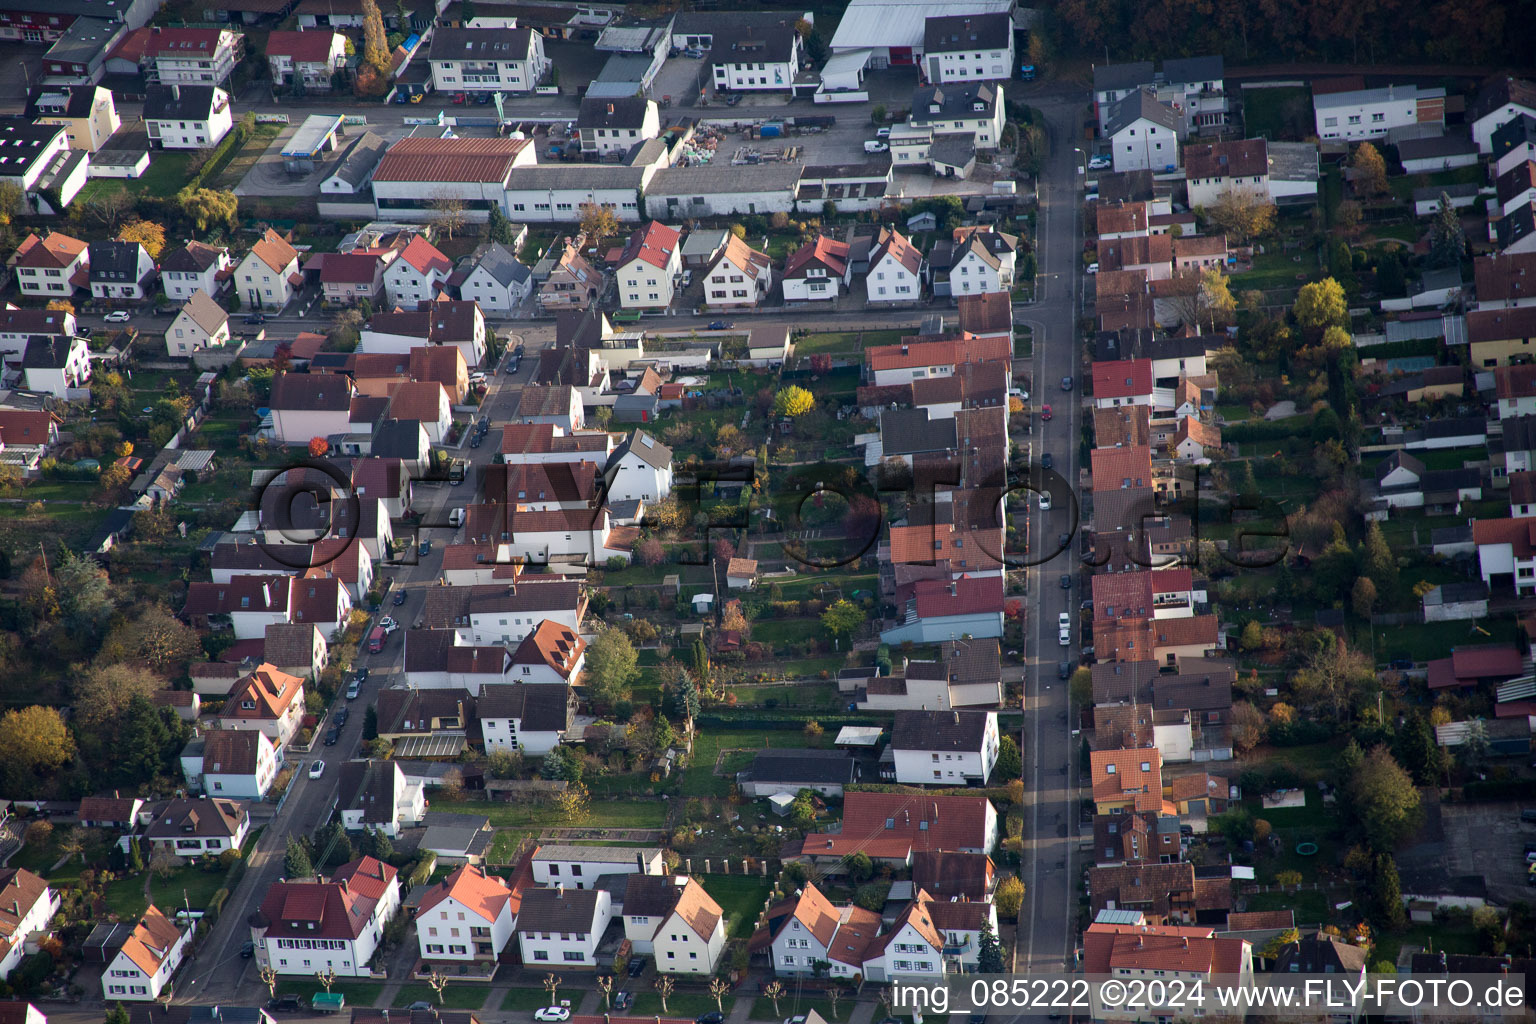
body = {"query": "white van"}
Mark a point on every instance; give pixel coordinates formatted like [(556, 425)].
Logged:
[(456, 518)]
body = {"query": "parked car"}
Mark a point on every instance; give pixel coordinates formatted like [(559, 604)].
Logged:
[(1066, 383), (1063, 670), (1099, 162), (420, 1004), (247, 949), (883, 133), (316, 769), (389, 624), (354, 690), (1093, 268), (733, 99), (712, 1017), (1045, 412), (424, 549), (622, 1000), (118, 316), (399, 598), (1046, 461), (1066, 581), (476, 440), (876, 146), (1045, 501), (362, 675), (721, 325), (341, 717), (332, 735), (552, 1014), (288, 1003), (255, 318), (637, 966)]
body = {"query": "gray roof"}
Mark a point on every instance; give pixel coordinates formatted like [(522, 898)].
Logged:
[(576, 176), (183, 102), (646, 448), (956, 101), (1520, 130), (952, 150), (939, 730), (965, 32), (451, 840), (1122, 76), (499, 261), (539, 707), (1184, 70), (1356, 97), (702, 241), (1435, 145), (909, 431), (115, 261), (623, 69), (21, 144), (46, 351), (361, 157), (368, 786), (1398, 460), (737, 40), (558, 910), (480, 43), (1293, 161), (619, 112), (84, 41), (398, 439), (802, 766), (595, 854), (1430, 193), (1138, 105), (723, 179)]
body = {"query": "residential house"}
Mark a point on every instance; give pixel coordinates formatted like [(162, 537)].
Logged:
[(1515, 386), (417, 275), (740, 276), (741, 573), (785, 772), (1143, 133), (435, 659), (375, 796), (572, 284), (1437, 153), (192, 56), (561, 928), (38, 160), (1215, 169), (967, 673), (347, 278), (1146, 838), (1516, 232), (1516, 187), (755, 56), (968, 47), (25, 429), (579, 867), (807, 930), (648, 269), (676, 921), (444, 322), (1194, 439), (1126, 780), (474, 60), (911, 950), (468, 917), (1505, 281), (236, 763), (305, 406), (940, 610), (550, 654), (556, 404), (504, 613), (297, 648), (972, 110), (425, 401), (51, 266), (115, 811), (1476, 665), (1146, 950), (891, 827), (27, 907), (526, 718), (1499, 101), (702, 245), (1122, 382), (268, 276), (1357, 114), (85, 112), (495, 280), (198, 826), (186, 116), (147, 961), (1506, 553), (1514, 143), (194, 267), (1152, 255), (120, 270), (818, 270), (976, 260), (201, 324), (311, 926), (896, 269), (640, 469), (1321, 953), (56, 365), (1114, 82), (266, 700), (947, 748), (305, 61), (616, 124)]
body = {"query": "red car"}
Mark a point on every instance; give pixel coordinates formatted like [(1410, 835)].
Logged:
[(1045, 412)]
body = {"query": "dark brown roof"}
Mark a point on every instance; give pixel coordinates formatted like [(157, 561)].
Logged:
[(231, 751), (203, 816), (948, 875), (559, 910), (540, 707)]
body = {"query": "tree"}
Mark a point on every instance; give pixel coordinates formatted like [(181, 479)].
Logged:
[(1377, 560), (497, 227), (650, 552), (85, 600), (1387, 893), (1415, 748), (1332, 678), (719, 988), (377, 845), (269, 977), (1009, 897), (38, 833), (731, 442), (326, 978), (680, 699), (102, 695), (605, 986), (343, 332), (1348, 216), (793, 402), (149, 741), (163, 862), (447, 213), (1276, 945), (1370, 171), (12, 202), (1209, 303), (1252, 638), (1362, 597), (106, 207), (1347, 765), (35, 742), (1321, 304), (147, 233), (834, 995), (1447, 241), (436, 982), (842, 617), (1384, 800), (551, 985), (71, 843), (1242, 216), (371, 723), (989, 952), (1010, 763), (207, 208), (296, 863), (333, 846), (774, 990), (860, 867), (1247, 726), (318, 447), (598, 222), (611, 667), (375, 49)]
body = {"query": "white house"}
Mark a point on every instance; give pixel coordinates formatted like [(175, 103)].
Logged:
[(425, 401), (616, 124), (121, 270), (504, 613), (192, 56), (471, 60), (817, 271), (977, 260), (265, 700), (305, 60), (940, 610), (1500, 101), (444, 322), (740, 276), (648, 270), (1143, 134), (949, 748), (466, 918), (26, 911), (551, 654), (971, 109), (38, 160), (306, 927), (496, 280), (1220, 167), (306, 406), (55, 364), (525, 718), (51, 267), (580, 867), (417, 274), (268, 276), (201, 324), (1357, 114), (896, 269), (676, 921), (204, 826), (640, 468), (754, 57), (558, 404), (375, 796), (968, 47), (186, 116), (237, 763), (807, 930), (560, 928), (194, 267), (145, 964), (912, 950)]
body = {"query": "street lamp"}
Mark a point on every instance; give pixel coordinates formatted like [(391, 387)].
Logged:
[(1079, 152)]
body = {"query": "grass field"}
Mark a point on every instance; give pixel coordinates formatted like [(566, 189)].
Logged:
[(469, 996), (524, 999), (679, 1004), (741, 897), (166, 174), (792, 1004), (357, 993), (1278, 270), (845, 342), (1278, 113), (699, 778)]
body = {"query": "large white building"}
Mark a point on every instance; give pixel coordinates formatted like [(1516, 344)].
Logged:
[(750, 56), (26, 910), (579, 867), (1143, 133), (528, 718), (147, 961), (968, 47), (186, 116), (192, 56), (417, 172), (561, 928), (889, 33), (466, 918), (471, 60), (308, 926), (944, 748), (1371, 113), (648, 270)]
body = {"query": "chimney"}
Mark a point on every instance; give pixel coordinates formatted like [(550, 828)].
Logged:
[(16, 908), (176, 92), (957, 718), (559, 892), (610, 108)]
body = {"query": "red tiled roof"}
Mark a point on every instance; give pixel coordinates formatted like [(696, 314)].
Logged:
[(451, 159), (1122, 378), (1238, 158), (361, 267), (151, 941), (824, 251), (270, 690), (473, 889), (1519, 533), (1110, 948), (424, 257), (1115, 773), (966, 595), (916, 822), (654, 244), (1486, 661), (312, 47), (1254, 920), (899, 248), (188, 43), (553, 645), (952, 352), (987, 313), (1122, 595), (1501, 324), (1130, 466), (273, 250), (54, 252), (1195, 629)]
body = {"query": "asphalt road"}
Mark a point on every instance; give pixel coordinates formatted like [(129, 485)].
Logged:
[(1046, 930)]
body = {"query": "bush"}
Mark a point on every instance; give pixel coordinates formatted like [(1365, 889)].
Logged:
[(872, 895)]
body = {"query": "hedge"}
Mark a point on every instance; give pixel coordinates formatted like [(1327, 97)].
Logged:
[(222, 153), (784, 722), (1275, 430)]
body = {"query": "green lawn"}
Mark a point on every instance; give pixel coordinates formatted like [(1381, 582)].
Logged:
[(190, 886), (469, 996), (1278, 114), (699, 778), (1311, 906), (616, 814), (846, 342), (1435, 639), (524, 999), (357, 993), (790, 1004), (166, 175), (679, 1004), (741, 897), (1403, 185), (1272, 270)]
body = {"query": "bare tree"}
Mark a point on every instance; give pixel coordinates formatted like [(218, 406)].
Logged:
[(605, 986), (448, 213), (834, 996), (664, 986), (268, 976), (436, 982), (163, 862), (774, 990), (326, 978), (71, 842), (719, 988), (551, 985)]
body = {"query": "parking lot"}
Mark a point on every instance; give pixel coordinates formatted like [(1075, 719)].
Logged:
[(1470, 840)]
